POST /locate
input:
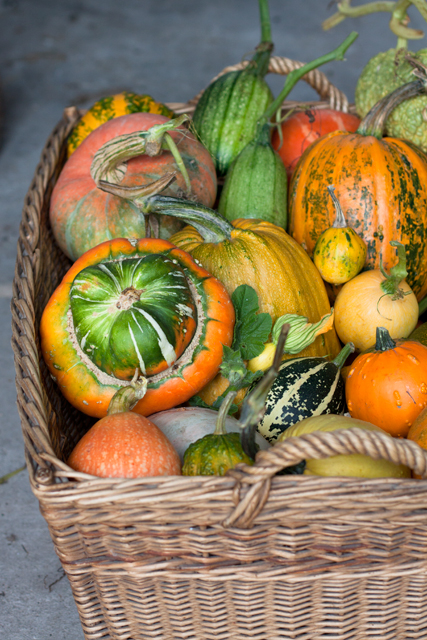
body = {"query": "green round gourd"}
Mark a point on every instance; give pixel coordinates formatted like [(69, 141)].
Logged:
[(384, 73), (214, 455)]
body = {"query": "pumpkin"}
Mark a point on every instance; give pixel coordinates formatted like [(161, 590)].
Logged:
[(124, 444), (227, 113), (355, 464), (380, 183), (302, 128), (184, 425), (83, 216), (373, 299), (388, 385), (75, 360), (339, 253), (111, 107), (304, 387)]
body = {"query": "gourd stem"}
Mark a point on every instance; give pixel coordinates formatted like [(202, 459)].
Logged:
[(383, 341), (398, 21), (261, 59), (297, 74), (339, 361), (210, 224), (422, 306), (126, 398), (390, 285), (169, 142), (220, 429), (374, 122), (253, 407), (339, 222)]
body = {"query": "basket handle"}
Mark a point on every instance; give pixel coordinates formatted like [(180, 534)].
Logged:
[(316, 445), (283, 66)]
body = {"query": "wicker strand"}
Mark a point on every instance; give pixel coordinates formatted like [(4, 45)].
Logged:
[(317, 445), (283, 66)]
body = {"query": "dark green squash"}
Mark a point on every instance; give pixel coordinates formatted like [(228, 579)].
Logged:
[(304, 387), (226, 115)]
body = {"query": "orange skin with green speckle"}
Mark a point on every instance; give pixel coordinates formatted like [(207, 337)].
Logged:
[(389, 388), (125, 445), (82, 387)]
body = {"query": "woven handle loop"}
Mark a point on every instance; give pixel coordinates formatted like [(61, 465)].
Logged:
[(283, 66), (317, 445)]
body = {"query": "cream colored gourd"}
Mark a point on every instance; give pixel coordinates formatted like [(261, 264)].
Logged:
[(373, 299)]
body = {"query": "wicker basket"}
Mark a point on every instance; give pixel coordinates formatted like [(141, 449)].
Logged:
[(247, 556)]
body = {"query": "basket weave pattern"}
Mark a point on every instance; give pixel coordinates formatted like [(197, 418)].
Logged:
[(251, 556)]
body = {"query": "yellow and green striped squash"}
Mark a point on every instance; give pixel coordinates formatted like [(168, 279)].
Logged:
[(111, 107)]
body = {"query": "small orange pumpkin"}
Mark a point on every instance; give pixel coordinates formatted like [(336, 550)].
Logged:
[(124, 444), (388, 385)]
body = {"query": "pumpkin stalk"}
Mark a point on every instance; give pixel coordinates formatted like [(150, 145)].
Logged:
[(373, 123), (297, 74), (127, 397), (390, 285), (109, 159), (383, 341), (339, 361), (253, 406), (339, 222), (262, 56), (220, 429)]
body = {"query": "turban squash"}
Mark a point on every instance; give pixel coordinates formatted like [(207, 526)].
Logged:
[(117, 310)]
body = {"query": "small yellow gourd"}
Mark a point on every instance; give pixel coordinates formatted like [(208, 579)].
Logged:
[(339, 253)]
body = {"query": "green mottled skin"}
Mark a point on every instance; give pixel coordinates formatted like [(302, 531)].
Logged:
[(214, 455), (225, 117), (256, 186), (385, 72)]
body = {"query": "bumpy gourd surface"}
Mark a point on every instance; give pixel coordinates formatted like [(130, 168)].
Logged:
[(384, 73)]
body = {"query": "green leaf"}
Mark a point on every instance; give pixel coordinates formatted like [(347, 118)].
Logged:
[(252, 329)]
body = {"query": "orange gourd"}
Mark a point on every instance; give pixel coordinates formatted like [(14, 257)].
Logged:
[(381, 184), (124, 444), (82, 216), (388, 385)]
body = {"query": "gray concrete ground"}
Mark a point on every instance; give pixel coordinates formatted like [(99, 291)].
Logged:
[(55, 53)]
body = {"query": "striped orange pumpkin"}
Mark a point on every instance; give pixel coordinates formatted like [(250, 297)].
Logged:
[(381, 183)]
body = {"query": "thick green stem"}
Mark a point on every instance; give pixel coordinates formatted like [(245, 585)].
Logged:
[(127, 397), (422, 307), (220, 429), (210, 224), (339, 222), (261, 59), (390, 285), (264, 16), (169, 142), (374, 122), (253, 406), (297, 74), (343, 355), (398, 22), (383, 341)]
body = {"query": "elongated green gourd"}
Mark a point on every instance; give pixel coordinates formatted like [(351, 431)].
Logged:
[(256, 182), (227, 113)]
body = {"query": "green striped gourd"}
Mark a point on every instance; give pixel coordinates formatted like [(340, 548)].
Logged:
[(256, 184), (134, 313), (304, 387), (226, 115)]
